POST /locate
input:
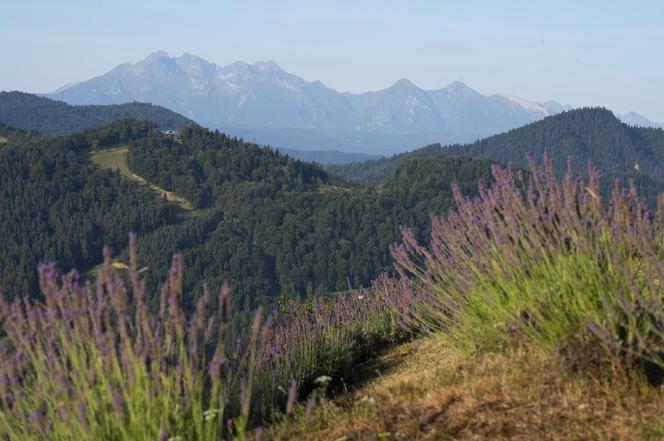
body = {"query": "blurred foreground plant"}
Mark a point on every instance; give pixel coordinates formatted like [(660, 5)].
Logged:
[(94, 363)]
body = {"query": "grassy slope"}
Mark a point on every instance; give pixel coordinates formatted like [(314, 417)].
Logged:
[(116, 159), (426, 391)]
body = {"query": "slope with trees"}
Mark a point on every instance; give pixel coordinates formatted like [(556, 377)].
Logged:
[(32, 112), (584, 135), (267, 224)]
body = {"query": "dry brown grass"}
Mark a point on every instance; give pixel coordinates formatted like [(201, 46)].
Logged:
[(427, 391)]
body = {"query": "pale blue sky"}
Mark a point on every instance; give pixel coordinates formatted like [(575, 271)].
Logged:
[(577, 52)]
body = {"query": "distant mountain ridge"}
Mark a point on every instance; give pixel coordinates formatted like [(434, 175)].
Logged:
[(638, 120), (31, 112), (263, 96)]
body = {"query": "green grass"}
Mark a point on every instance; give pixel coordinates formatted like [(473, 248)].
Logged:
[(549, 302), (116, 159)]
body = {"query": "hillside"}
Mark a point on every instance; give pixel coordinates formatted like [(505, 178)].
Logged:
[(33, 112), (325, 156), (56, 205), (592, 134), (265, 223), (426, 390), (526, 317), (373, 171)]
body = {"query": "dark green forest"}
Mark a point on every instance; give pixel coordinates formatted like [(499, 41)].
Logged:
[(373, 171), (32, 112), (285, 226), (56, 205), (589, 135), (265, 223)]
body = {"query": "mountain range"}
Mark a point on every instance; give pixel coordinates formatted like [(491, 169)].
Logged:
[(263, 103)]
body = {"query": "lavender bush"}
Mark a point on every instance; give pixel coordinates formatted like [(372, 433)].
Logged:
[(541, 260), (94, 362)]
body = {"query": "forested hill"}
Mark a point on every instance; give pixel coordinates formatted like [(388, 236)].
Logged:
[(56, 205), (8, 133), (590, 134), (32, 112), (373, 171), (263, 222)]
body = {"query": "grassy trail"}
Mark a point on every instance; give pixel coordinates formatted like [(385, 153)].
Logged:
[(116, 159)]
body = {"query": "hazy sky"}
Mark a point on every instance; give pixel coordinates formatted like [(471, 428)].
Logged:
[(577, 52)]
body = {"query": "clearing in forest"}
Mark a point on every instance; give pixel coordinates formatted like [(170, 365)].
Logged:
[(116, 159)]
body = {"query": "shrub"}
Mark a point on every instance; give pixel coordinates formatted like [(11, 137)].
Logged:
[(94, 363), (324, 336), (540, 260)]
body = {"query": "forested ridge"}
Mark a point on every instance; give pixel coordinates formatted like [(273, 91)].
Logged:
[(588, 135), (265, 223), (33, 112), (56, 205), (287, 227)]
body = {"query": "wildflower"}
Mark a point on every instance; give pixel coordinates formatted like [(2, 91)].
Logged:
[(323, 380), (211, 414)]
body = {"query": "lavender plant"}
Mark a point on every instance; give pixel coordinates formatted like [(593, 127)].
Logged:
[(541, 260), (325, 336), (94, 363)]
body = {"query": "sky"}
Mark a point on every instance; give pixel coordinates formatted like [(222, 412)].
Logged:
[(608, 53)]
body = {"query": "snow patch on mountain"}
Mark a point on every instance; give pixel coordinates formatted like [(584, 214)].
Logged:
[(531, 106)]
